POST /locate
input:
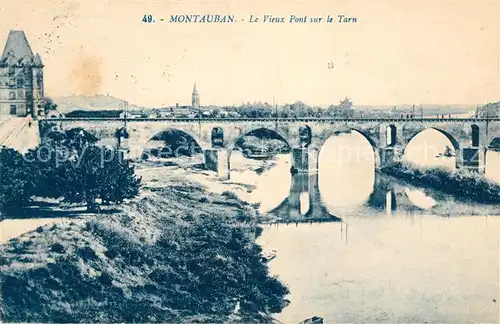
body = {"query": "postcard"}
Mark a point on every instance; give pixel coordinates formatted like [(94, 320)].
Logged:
[(249, 161)]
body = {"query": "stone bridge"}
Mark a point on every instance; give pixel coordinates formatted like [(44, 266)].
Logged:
[(470, 137)]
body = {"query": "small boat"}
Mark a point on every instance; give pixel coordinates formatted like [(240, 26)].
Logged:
[(268, 257), (256, 156), (313, 320), (448, 152)]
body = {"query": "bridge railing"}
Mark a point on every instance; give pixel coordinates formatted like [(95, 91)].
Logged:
[(281, 120)]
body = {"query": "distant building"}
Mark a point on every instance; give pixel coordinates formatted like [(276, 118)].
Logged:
[(223, 113), (195, 98), (132, 114), (21, 77)]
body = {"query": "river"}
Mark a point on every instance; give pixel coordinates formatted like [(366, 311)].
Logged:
[(398, 263)]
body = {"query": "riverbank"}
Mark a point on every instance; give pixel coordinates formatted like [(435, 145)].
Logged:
[(412, 198), (466, 185), (160, 258)]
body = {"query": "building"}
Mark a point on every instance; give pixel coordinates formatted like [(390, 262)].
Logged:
[(133, 114), (195, 98), (21, 78)]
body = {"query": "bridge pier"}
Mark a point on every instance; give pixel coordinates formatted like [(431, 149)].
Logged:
[(472, 158), (305, 180), (217, 159), (305, 160), (388, 155)]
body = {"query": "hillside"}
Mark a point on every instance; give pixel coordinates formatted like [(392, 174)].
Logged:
[(490, 110), (99, 102), (177, 254)]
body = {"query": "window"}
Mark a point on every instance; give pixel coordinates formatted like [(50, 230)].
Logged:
[(20, 82), (20, 93), (22, 108), (12, 83), (12, 71), (12, 95), (13, 109)]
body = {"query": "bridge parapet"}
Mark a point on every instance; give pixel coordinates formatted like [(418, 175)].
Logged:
[(463, 133)]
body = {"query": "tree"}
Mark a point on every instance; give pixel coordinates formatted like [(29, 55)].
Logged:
[(344, 109), (98, 172), (345, 104), (120, 182), (74, 168), (16, 182), (48, 105)]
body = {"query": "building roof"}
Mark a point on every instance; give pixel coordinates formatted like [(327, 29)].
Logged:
[(17, 50), (195, 91), (37, 60)]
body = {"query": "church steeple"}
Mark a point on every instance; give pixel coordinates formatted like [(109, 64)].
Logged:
[(195, 97)]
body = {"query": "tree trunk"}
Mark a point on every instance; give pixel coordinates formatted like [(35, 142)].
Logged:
[(92, 206)]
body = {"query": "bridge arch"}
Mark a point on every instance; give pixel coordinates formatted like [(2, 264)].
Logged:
[(170, 142), (433, 151), (269, 132), (75, 132), (373, 144), (453, 141)]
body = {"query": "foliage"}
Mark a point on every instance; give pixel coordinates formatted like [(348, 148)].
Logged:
[(491, 110), (94, 114), (464, 184), (97, 172), (70, 166), (256, 145), (48, 105), (16, 182)]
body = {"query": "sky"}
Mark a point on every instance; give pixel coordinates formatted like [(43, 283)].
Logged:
[(404, 52)]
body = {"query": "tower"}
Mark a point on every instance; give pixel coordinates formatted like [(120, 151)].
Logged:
[(195, 98), (21, 77)]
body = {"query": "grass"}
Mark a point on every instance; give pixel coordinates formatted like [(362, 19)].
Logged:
[(177, 254)]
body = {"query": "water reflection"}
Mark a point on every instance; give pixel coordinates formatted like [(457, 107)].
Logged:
[(346, 184), (492, 170), (268, 181), (390, 202), (346, 172)]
